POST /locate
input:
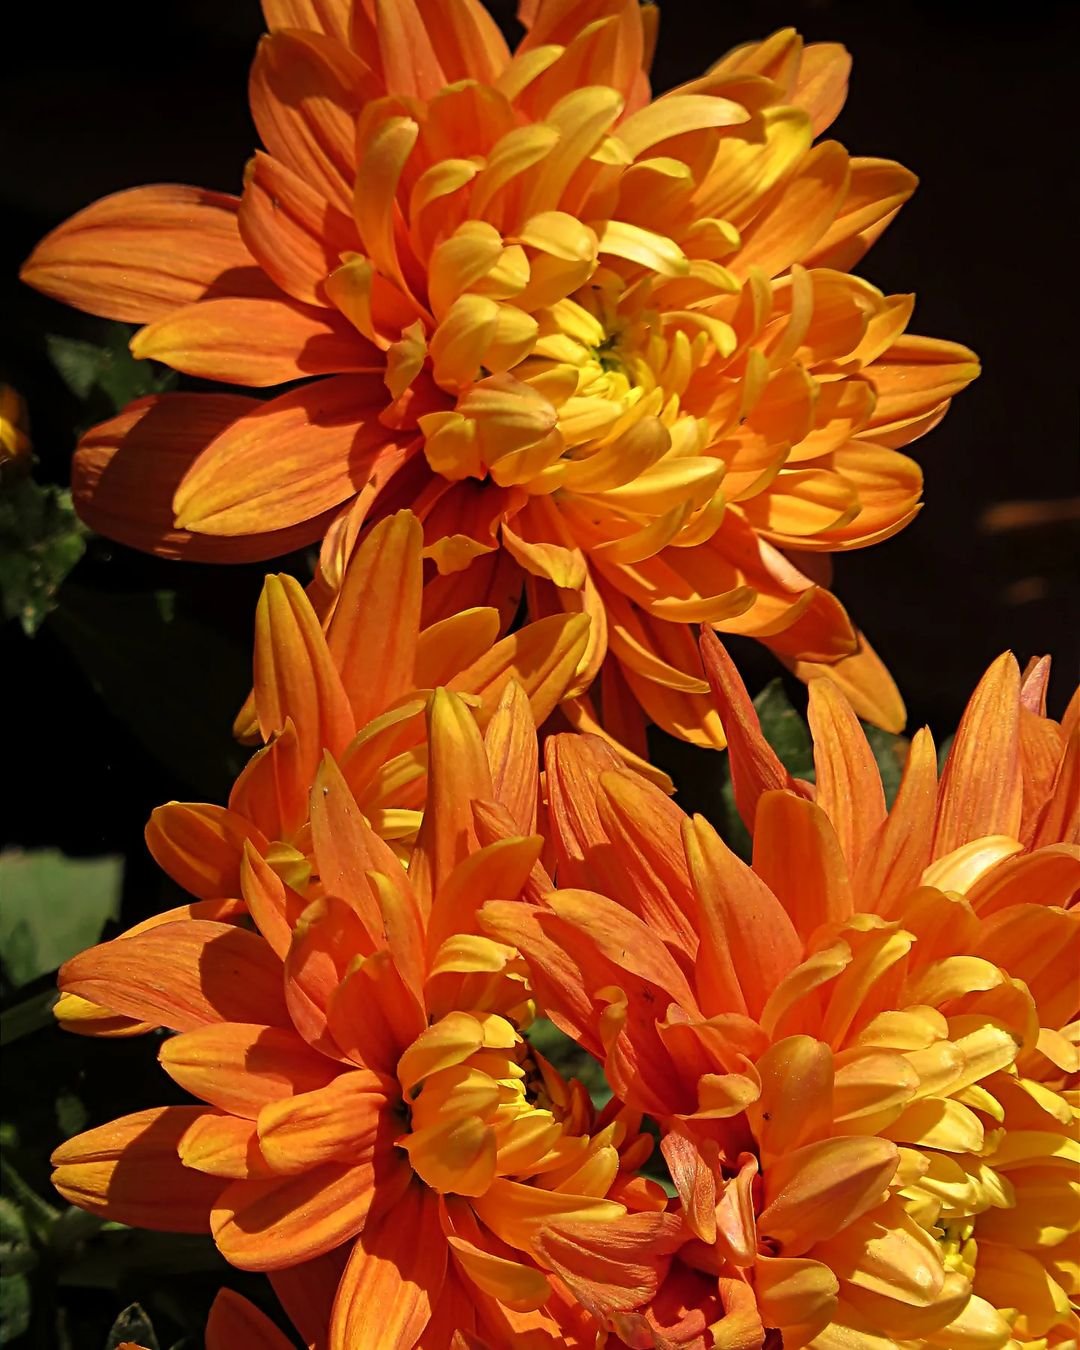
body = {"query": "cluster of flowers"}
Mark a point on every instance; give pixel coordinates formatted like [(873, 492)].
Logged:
[(595, 373)]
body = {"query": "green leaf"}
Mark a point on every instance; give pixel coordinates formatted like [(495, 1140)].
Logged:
[(106, 371), (17, 1253), (789, 736), (14, 1306), (569, 1059), (132, 1325), (70, 1114), (785, 730), (52, 907), (943, 752), (41, 540), (31, 1015)]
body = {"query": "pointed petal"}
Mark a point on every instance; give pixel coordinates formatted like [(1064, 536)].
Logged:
[(748, 942), (797, 855), (372, 635), (236, 1324), (201, 846), (287, 460), (138, 255), (513, 756), (127, 470), (265, 1225), (182, 976), (981, 787), (896, 855), (257, 342), (458, 774), (240, 1067), (130, 1171), (847, 782), (340, 1120), (393, 1279), (295, 678), (755, 767)]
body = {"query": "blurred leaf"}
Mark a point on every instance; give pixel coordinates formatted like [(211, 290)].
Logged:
[(14, 1306), (785, 730), (174, 680), (569, 1059), (16, 1248), (787, 733), (41, 540), (71, 1115), (943, 752), (31, 1015), (106, 369), (52, 907), (132, 1325), (37, 1213), (891, 754)]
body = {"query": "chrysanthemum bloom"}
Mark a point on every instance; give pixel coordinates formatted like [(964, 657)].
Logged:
[(863, 1048), (375, 1125), (607, 348), (357, 690)]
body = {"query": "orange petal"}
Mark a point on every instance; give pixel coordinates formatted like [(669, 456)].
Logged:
[(130, 1171), (236, 1324), (847, 782), (513, 756), (876, 191), (895, 857), (241, 1067), (268, 1224), (542, 657), (816, 1191), (201, 846), (126, 471), (287, 460), (275, 907), (258, 342), (914, 376), (340, 1120), (271, 790), (372, 635), (138, 255), (797, 855), (755, 766), (981, 786), (465, 39), (796, 1101), (305, 94), (306, 1292), (294, 232), (393, 1278), (328, 936), (748, 942), (458, 774), (862, 677), (183, 975), (347, 849), (329, 17), (295, 678), (223, 1146)]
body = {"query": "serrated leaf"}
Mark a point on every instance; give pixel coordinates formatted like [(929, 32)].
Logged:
[(14, 1306), (52, 907), (132, 1325), (41, 540)]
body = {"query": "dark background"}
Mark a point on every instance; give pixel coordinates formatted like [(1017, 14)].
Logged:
[(979, 100)]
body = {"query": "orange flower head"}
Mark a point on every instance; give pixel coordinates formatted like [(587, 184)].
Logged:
[(371, 1121), (607, 348), (862, 1049)]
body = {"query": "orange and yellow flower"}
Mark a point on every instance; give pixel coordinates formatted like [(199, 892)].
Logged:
[(354, 683), (862, 1049), (607, 348), (371, 1122)]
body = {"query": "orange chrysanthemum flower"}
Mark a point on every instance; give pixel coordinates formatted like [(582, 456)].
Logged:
[(608, 349), (356, 686), (373, 1130), (863, 1048)]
